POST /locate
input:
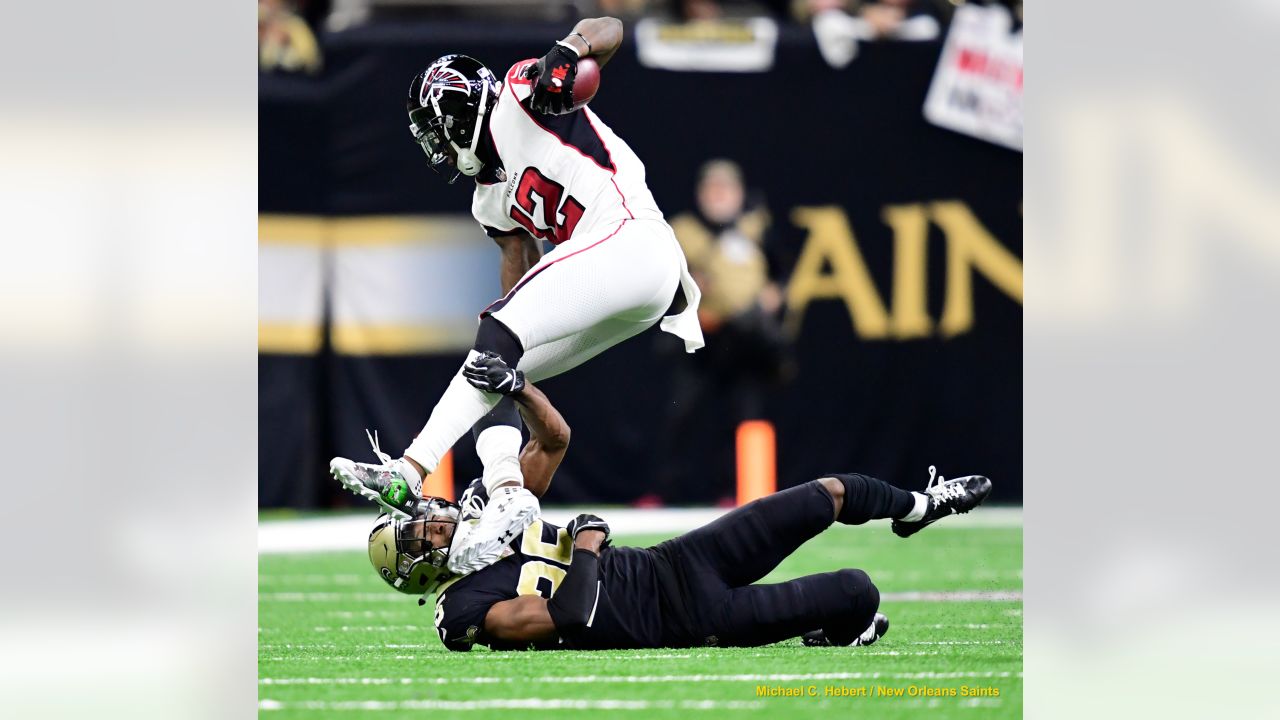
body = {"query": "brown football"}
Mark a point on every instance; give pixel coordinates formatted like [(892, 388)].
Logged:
[(586, 83)]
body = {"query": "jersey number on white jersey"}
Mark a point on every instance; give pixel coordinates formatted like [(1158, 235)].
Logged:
[(554, 205)]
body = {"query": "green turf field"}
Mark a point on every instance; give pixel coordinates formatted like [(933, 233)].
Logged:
[(335, 641)]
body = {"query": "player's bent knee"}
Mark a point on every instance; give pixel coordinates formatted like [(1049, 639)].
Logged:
[(495, 337), (835, 489), (857, 584)]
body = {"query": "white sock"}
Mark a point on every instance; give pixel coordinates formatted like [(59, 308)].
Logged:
[(917, 512), (499, 450), (410, 473), (459, 409)]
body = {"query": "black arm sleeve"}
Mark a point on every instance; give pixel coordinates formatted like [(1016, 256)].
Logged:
[(504, 413), (575, 600)]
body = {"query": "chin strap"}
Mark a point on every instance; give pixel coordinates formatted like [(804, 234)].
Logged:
[(468, 163)]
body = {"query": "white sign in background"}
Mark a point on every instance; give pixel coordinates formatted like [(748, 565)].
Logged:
[(977, 88), (730, 46)]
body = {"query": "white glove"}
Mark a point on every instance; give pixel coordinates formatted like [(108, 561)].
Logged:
[(480, 544)]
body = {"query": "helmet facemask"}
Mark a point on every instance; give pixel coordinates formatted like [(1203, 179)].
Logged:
[(433, 141), (402, 550)]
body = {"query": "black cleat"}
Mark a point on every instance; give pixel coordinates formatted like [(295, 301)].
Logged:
[(876, 630), (946, 497)]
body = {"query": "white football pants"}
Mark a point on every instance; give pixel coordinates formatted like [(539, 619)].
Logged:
[(580, 299)]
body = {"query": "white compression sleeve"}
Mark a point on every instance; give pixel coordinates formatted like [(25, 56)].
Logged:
[(499, 451), (459, 408)]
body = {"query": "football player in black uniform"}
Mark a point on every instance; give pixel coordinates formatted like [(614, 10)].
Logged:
[(568, 588)]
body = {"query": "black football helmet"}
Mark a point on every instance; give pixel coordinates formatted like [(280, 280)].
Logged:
[(447, 104)]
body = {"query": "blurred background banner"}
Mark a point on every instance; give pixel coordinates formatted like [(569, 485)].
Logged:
[(862, 266), (743, 46)]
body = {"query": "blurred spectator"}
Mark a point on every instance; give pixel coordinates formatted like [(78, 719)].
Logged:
[(346, 14), (285, 41), (724, 239), (689, 10), (839, 28), (624, 8), (694, 10)]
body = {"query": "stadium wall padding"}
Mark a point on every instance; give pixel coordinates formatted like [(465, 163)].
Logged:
[(918, 363)]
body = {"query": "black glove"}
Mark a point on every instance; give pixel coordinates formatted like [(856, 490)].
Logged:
[(554, 75), (587, 521), (490, 374)]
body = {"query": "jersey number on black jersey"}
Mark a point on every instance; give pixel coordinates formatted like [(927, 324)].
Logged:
[(534, 182), (538, 577)]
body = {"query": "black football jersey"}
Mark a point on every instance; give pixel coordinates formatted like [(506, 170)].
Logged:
[(627, 614)]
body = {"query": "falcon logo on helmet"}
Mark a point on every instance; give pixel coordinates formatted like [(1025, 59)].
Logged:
[(439, 79), (447, 105)]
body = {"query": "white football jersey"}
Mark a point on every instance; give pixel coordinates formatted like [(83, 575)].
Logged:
[(565, 174)]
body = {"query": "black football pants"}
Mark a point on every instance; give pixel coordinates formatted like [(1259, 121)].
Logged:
[(719, 561)]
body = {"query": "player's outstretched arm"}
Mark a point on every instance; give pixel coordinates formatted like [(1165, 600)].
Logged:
[(599, 38), (520, 251), (548, 439)]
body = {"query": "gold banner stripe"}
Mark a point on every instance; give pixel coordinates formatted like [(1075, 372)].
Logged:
[(371, 231), (352, 339), (291, 230), (289, 338), (399, 339)]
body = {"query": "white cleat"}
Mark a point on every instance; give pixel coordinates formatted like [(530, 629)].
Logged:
[(388, 484), (876, 630)]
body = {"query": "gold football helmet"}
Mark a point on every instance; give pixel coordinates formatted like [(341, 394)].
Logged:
[(401, 550)]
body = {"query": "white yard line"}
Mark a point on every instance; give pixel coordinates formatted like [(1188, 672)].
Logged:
[(313, 579), (501, 657), (639, 679), (368, 614), (953, 596), (510, 704), (909, 596), (428, 629), (358, 597), (374, 628), (423, 646), (967, 642), (350, 532)]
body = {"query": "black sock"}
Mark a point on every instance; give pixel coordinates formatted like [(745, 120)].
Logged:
[(504, 413), (866, 498)]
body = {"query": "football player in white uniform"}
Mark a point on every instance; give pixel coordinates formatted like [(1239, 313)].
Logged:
[(543, 170)]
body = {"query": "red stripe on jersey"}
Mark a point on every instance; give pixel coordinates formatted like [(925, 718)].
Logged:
[(503, 300), (624, 198), (615, 172)]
